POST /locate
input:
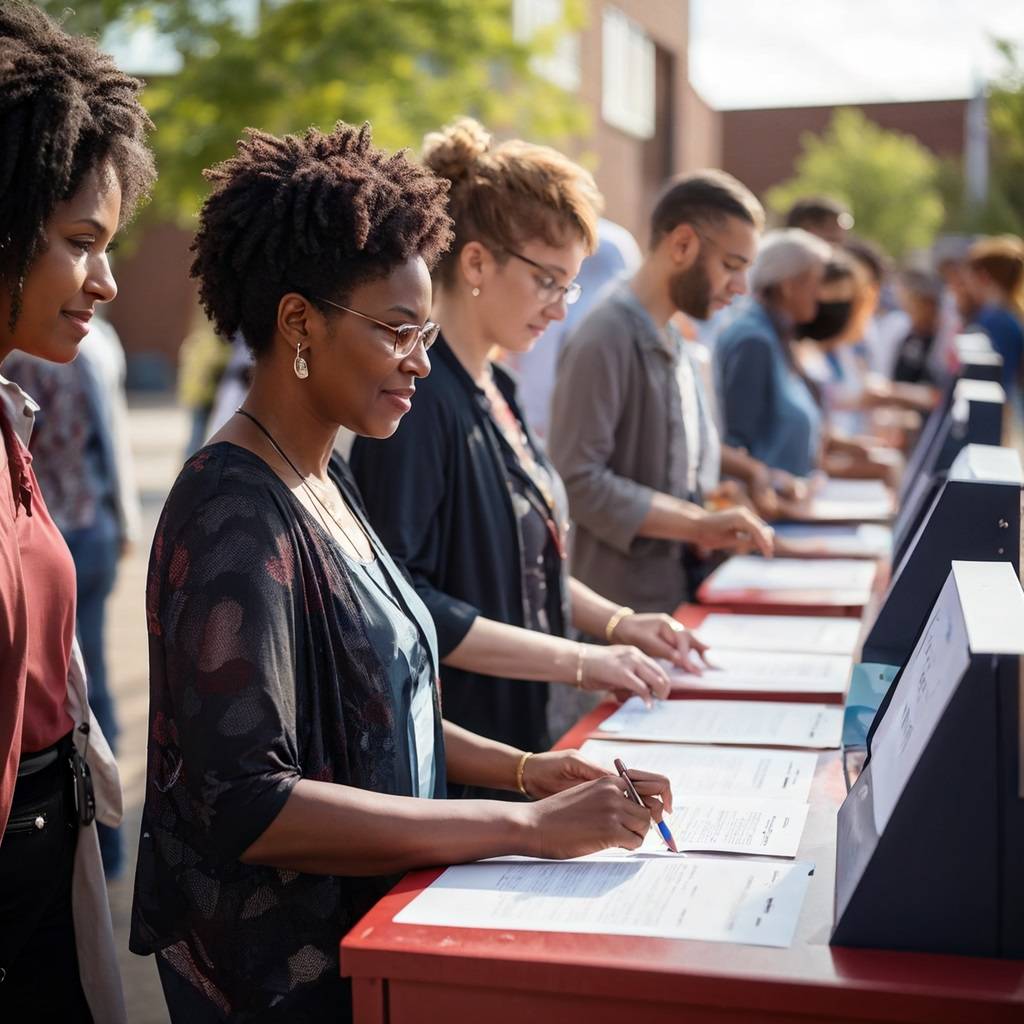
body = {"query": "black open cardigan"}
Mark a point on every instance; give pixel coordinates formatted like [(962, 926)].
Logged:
[(438, 496)]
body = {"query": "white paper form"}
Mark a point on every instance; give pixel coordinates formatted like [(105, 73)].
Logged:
[(714, 900), (848, 499), (815, 634), (865, 540), (717, 824), (927, 685), (715, 771), (738, 722), (766, 672), (746, 572)]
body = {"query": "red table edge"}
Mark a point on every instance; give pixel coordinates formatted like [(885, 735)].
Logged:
[(764, 989)]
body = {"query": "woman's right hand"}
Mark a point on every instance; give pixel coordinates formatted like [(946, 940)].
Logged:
[(595, 816), (624, 671)]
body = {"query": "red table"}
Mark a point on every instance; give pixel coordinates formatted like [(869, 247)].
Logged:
[(846, 603), (412, 974)]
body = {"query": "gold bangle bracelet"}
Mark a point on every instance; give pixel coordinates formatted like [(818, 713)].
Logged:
[(580, 650), (609, 630), (520, 768)]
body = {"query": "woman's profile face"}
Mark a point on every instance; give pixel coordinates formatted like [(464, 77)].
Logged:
[(361, 382), (800, 294), (521, 294), (69, 277)]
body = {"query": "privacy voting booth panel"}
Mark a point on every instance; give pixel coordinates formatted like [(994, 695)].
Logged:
[(974, 516), (977, 360), (975, 416), (930, 853)]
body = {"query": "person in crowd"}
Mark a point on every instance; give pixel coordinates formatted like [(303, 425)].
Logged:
[(295, 737), (995, 285), (632, 432), (767, 406), (463, 495), (617, 256), (851, 398), (83, 463), (921, 299), (823, 216), (73, 163), (202, 360)]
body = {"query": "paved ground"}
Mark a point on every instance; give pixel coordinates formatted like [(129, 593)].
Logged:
[(158, 434)]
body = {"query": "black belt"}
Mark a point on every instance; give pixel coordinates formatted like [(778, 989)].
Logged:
[(33, 763)]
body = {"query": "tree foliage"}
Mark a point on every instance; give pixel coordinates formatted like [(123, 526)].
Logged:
[(407, 66), (889, 180)]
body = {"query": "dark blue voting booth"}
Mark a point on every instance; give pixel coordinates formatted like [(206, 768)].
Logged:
[(975, 416), (930, 853), (974, 515)]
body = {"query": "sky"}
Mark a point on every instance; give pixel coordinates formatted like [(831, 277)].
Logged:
[(774, 53)]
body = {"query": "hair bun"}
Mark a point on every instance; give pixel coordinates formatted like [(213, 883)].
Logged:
[(456, 149)]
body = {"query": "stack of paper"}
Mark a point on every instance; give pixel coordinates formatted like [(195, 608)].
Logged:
[(725, 800), (850, 500), (766, 672), (814, 634), (746, 573), (737, 773), (709, 899), (798, 540), (742, 723)]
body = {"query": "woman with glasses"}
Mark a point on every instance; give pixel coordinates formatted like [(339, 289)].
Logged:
[(295, 727), (463, 495)]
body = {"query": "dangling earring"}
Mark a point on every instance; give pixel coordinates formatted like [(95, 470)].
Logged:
[(300, 365), (475, 293)]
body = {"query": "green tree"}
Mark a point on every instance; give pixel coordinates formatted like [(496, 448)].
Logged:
[(1004, 210), (889, 180), (407, 66)]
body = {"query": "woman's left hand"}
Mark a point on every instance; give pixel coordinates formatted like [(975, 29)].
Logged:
[(661, 636), (551, 772)]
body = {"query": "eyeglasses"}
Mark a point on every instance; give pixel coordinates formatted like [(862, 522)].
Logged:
[(548, 289), (406, 337)]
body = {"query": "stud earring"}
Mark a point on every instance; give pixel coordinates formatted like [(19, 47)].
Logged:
[(300, 365), (475, 293)]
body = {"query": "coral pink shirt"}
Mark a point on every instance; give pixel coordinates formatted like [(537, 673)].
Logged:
[(37, 595)]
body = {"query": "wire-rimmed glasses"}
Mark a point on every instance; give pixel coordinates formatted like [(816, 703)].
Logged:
[(407, 336)]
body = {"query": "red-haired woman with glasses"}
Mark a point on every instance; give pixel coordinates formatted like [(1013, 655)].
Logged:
[(465, 497)]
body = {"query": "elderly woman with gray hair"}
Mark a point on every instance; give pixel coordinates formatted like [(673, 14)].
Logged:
[(767, 406)]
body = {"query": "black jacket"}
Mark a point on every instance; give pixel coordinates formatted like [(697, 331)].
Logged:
[(437, 494)]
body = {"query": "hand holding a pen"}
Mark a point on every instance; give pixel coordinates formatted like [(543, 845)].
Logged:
[(597, 815)]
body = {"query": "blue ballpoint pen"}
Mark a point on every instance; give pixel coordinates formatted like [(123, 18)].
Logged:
[(666, 833)]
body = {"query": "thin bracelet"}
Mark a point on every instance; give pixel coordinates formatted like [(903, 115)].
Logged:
[(520, 768), (580, 650), (609, 630)]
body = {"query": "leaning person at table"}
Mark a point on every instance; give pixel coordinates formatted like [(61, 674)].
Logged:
[(631, 430), (463, 495), (767, 405), (295, 723)]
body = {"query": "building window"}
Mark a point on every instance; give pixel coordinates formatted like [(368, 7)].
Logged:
[(627, 75), (560, 65)]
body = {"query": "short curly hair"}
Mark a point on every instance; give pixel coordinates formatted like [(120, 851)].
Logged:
[(316, 214), (65, 111)]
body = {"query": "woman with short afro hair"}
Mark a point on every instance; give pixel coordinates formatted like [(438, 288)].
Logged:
[(296, 737)]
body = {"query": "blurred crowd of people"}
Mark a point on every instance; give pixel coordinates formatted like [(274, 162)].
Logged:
[(516, 515)]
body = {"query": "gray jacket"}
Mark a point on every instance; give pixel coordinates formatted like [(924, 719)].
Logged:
[(617, 437)]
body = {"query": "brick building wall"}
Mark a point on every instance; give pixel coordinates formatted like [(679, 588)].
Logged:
[(760, 146)]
